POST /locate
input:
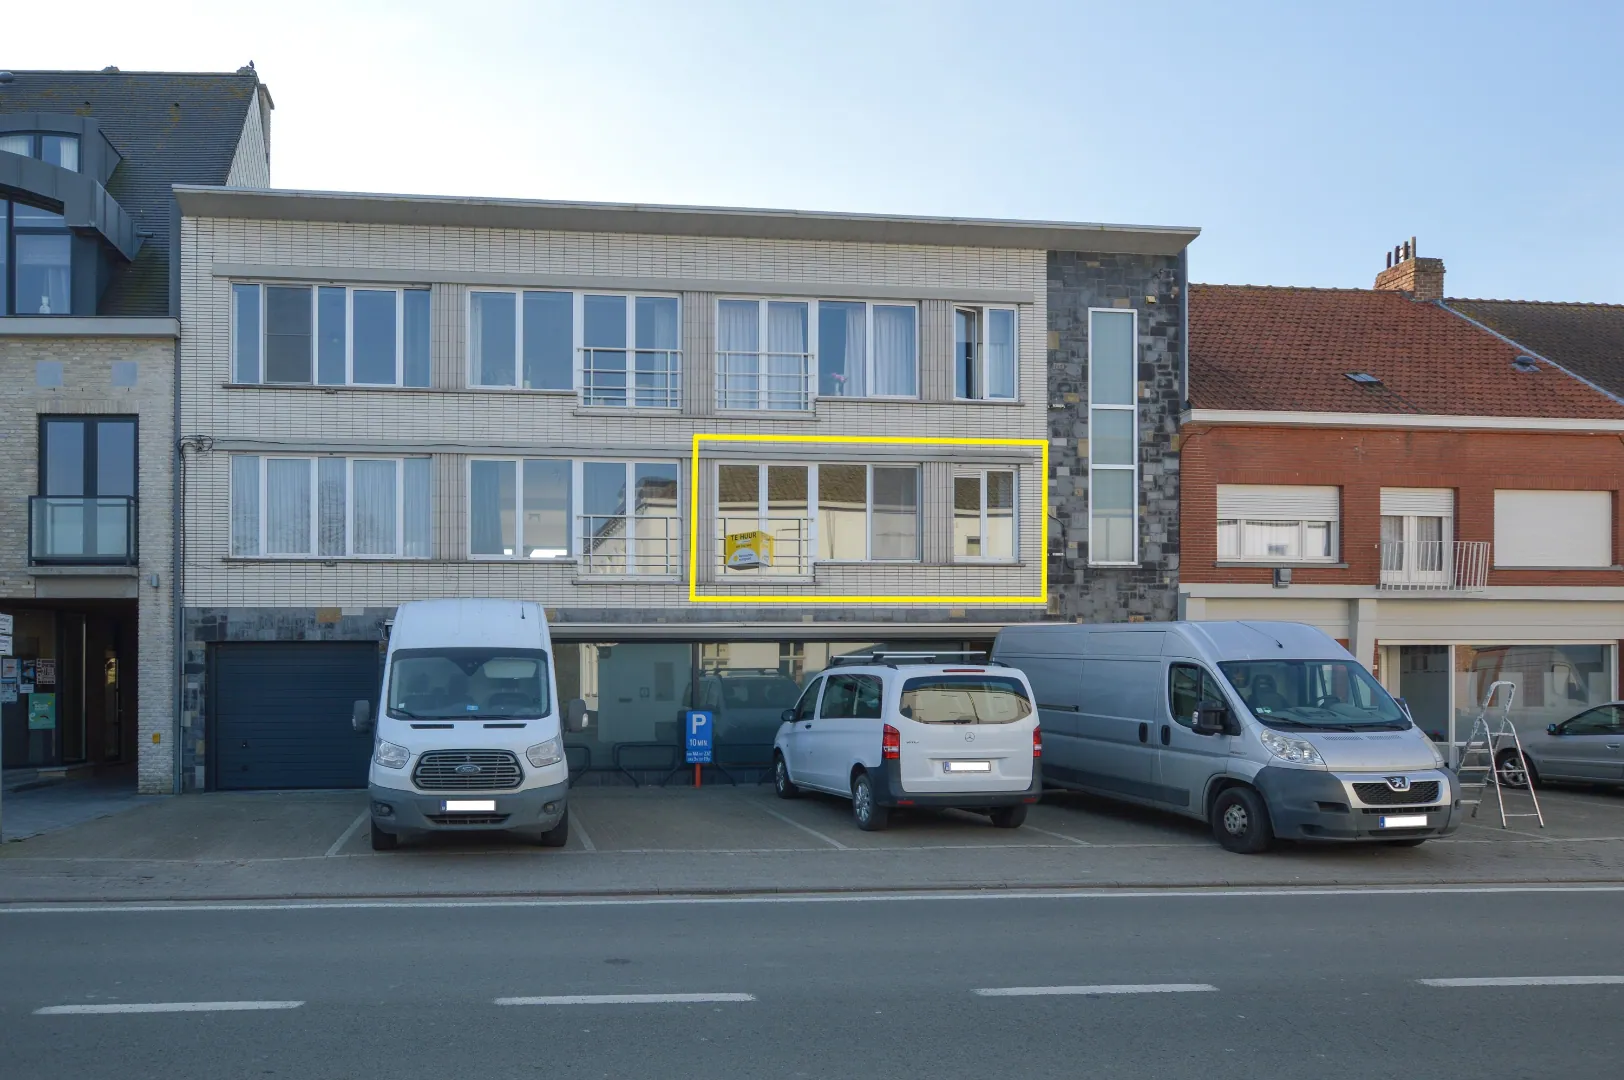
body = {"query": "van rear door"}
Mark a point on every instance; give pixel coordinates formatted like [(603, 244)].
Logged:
[(965, 731)]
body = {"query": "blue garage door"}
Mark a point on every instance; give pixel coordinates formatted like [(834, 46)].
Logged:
[(282, 714)]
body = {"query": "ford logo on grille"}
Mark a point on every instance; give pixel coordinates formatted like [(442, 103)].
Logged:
[(469, 770), (1397, 783)]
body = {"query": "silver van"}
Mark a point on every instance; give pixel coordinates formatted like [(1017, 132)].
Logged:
[(1266, 730)]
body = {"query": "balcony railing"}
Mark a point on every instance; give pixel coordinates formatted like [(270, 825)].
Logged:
[(629, 544), (656, 378), (1435, 565), (91, 531), (766, 381), (792, 546)]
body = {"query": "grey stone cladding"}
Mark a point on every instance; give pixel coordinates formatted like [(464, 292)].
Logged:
[(1154, 287)]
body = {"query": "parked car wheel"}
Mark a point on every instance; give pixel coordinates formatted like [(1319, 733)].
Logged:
[(782, 784), (1009, 817), (1240, 821), (558, 835), (870, 815), (383, 841), (1511, 771)]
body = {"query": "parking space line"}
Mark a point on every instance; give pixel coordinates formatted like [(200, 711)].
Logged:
[(166, 1007), (1107, 988), (1530, 980), (831, 841), (624, 999), (580, 830), (1056, 835), (344, 838)]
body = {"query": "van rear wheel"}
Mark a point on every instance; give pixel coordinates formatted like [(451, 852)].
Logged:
[(782, 784), (1240, 821), (1009, 817), (870, 815)]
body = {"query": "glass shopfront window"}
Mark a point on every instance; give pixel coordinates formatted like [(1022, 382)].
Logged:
[(1553, 682), (636, 693)]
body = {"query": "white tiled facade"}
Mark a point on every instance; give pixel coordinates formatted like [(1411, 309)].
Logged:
[(451, 421)]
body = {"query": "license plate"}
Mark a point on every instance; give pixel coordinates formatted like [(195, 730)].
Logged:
[(1404, 821), (967, 766), (472, 806)]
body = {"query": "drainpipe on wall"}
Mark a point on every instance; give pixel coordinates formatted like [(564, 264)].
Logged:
[(175, 585), (1184, 327)]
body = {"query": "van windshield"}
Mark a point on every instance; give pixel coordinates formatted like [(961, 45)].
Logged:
[(468, 683), (1330, 695), (965, 699)]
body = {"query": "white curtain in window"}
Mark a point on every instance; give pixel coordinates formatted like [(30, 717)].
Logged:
[(738, 334), (418, 543), (332, 483), (852, 322), (18, 144), (374, 507), (787, 385), (287, 506), (244, 505), (895, 335), (1000, 353)]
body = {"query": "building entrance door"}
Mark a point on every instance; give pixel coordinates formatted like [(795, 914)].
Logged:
[(1423, 683)]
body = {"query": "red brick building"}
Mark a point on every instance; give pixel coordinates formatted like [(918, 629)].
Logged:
[(1421, 488)]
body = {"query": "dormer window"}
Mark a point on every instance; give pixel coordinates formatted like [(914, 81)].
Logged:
[(59, 150), (36, 260)]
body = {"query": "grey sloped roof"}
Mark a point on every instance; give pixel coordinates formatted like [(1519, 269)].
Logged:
[(170, 127)]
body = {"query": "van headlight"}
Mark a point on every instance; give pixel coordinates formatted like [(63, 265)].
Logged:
[(391, 756), (1438, 760), (1296, 751), (545, 753)]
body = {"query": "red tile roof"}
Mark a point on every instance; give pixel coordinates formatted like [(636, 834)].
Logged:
[(1290, 350)]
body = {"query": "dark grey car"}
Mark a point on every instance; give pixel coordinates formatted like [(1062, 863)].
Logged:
[(1584, 749)]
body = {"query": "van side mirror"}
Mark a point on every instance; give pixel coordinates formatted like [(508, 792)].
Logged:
[(1552, 729), (788, 716), (1405, 705), (575, 715), (361, 717), (1211, 719)]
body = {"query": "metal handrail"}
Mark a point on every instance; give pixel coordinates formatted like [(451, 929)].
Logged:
[(792, 545), (655, 377), (748, 380), (1425, 565), (88, 530), (655, 546)]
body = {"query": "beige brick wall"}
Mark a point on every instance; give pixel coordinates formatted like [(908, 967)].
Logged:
[(87, 368), (452, 421)]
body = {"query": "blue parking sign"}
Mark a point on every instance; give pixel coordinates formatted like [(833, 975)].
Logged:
[(699, 726)]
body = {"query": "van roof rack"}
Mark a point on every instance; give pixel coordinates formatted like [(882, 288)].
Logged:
[(893, 657)]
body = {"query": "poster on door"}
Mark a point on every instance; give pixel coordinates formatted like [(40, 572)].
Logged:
[(41, 712), (8, 691), (26, 680), (45, 672), (9, 668)]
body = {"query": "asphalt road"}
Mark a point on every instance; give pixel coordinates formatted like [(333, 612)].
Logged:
[(1224, 984)]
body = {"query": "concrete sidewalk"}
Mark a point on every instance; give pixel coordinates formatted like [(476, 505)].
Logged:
[(732, 840)]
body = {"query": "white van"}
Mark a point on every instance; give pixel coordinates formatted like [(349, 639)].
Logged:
[(1263, 729), (897, 729), (468, 732)]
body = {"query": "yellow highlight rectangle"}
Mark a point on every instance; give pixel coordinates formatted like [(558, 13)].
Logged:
[(1041, 445)]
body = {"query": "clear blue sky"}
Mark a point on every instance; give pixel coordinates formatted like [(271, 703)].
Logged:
[(1304, 138)]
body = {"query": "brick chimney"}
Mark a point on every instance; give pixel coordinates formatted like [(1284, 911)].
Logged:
[(1406, 272)]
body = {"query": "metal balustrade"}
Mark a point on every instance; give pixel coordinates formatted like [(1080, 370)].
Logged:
[(1441, 565)]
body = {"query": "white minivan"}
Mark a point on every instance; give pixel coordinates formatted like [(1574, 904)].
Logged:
[(468, 732), (898, 729)]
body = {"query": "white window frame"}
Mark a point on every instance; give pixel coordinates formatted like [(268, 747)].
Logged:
[(1133, 410), (980, 476), (349, 508), (577, 501), (1284, 560), (578, 346), (814, 351), (315, 288), (812, 534), (981, 311)]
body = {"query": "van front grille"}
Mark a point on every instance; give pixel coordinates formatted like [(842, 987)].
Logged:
[(467, 770), (467, 819), (1422, 791)]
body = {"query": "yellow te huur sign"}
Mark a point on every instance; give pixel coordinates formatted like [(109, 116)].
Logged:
[(747, 550)]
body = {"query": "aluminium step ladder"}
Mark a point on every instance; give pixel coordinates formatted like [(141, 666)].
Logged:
[(1479, 769)]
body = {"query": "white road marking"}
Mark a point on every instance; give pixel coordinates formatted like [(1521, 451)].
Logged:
[(360, 819), (1107, 988), (580, 830), (166, 1007), (1530, 980), (1056, 835), (1253, 892), (831, 841), (624, 999)]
